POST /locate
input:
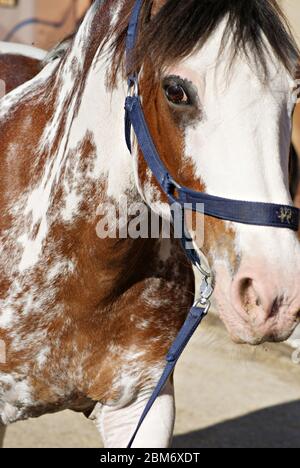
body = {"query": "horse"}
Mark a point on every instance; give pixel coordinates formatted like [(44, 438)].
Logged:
[(87, 319)]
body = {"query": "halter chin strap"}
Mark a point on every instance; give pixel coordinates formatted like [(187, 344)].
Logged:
[(245, 212)]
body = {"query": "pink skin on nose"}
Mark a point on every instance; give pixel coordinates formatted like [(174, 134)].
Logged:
[(264, 305)]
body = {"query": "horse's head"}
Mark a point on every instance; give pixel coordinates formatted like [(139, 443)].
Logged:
[(217, 91)]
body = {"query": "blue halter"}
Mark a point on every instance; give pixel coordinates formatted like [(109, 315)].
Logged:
[(253, 213)]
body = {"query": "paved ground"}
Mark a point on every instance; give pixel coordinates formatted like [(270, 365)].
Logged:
[(227, 396)]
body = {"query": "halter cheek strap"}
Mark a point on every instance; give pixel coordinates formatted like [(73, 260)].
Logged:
[(245, 212)]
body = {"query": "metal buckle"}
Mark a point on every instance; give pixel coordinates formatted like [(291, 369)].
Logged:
[(199, 305)]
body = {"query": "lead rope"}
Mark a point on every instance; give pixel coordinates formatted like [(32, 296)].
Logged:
[(194, 318)]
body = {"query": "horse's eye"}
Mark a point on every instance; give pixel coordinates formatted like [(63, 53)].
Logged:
[(176, 94)]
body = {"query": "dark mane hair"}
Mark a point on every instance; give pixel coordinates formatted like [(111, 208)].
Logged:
[(183, 26)]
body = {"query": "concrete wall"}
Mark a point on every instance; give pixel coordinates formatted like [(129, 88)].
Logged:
[(44, 36), (54, 10)]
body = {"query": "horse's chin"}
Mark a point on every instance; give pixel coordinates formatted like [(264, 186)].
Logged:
[(252, 323), (242, 334)]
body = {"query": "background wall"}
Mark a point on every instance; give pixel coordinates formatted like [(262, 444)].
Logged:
[(17, 20), (14, 11), (292, 10)]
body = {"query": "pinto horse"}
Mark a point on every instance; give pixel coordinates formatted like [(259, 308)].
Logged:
[(87, 320)]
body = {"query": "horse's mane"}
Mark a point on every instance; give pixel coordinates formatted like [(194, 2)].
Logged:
[(183, 26), (59, 50)]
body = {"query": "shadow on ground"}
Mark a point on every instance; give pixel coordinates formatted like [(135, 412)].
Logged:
[(274, 427)]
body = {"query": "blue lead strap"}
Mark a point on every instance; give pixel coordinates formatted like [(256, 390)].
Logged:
[(194, 318)]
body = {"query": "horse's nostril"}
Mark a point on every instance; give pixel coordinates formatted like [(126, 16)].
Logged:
[(245, 284)]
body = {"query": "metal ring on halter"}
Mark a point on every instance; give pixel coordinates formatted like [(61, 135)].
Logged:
[(133, 86), (202, 271)]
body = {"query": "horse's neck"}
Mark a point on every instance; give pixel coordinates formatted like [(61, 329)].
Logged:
[(95, 133), (82, 152), (92, 165), (94, 124)]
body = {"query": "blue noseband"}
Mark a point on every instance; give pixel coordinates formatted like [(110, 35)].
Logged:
[(245, 212)]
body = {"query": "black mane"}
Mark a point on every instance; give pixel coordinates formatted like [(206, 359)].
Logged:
[(183, 26)]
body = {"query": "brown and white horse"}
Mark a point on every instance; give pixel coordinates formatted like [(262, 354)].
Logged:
[(86, 322)]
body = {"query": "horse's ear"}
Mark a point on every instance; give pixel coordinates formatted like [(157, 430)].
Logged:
[(156, 6)]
